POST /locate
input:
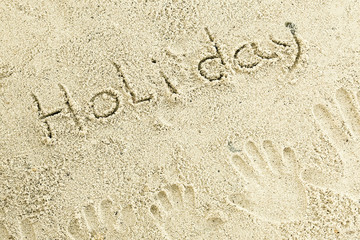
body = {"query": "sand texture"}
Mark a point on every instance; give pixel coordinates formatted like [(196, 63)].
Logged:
[(174, 119)]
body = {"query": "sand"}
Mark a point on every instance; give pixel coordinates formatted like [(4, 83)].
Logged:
[(179, 119)]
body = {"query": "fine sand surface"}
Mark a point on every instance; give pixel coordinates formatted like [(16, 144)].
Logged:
[(179, 119)]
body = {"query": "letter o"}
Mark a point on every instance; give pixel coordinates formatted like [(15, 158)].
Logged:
[(108, 113)]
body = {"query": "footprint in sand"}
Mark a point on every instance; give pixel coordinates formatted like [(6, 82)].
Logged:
[(274, 190)]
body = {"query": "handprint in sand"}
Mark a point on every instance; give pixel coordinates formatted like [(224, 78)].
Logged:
[(342, 128), (26, 231), (106, 222), (175, 214), (274, 191)]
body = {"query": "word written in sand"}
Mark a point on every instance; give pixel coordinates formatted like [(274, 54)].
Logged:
[(240, 62), (106, 103)]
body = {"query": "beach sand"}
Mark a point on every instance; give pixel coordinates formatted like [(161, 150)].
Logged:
[(179, 119)]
